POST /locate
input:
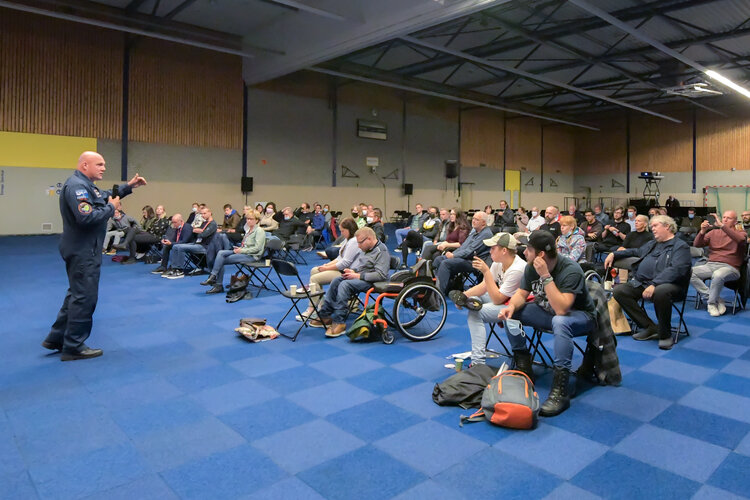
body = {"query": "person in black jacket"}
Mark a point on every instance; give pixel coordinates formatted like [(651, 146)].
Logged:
[(662, 274)]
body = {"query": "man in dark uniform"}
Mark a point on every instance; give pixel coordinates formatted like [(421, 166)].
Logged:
[(85, 211)]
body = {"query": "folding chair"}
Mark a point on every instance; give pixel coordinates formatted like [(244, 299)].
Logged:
[(292, 247), (286, 268), (196, 261), (740, 288), (259, 273)]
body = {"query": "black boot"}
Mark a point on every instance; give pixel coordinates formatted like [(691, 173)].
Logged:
[(558, 400), (215, 289), (522, 360), (211, 280)]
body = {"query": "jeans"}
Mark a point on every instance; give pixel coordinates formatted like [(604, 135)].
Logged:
[(336, 302), (628, 297), (113, 237), (719, 273), (564, 328), (180, 251), (477, 330), (401, 234), (225, 257), (446, 268)]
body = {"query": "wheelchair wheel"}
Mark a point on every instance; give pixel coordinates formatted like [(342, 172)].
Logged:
[(419, 311), (387, 336), (592, 275)]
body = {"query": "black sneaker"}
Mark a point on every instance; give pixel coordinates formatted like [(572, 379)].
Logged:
[(649, 333), (461, 300), (159, 270)]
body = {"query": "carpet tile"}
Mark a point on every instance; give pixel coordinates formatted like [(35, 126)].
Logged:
[(180, 406)]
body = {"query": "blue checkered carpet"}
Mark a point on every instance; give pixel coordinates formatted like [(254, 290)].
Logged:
[(180, 406)]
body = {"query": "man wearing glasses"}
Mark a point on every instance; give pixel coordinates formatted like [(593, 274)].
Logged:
[(372, 265)]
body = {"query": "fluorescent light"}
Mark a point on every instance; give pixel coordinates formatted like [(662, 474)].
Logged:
[(729, 83)]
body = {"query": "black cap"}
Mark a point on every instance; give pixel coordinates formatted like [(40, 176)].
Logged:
[(542, 241)]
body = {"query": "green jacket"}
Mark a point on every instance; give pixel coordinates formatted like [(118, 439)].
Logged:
[(254, 243)]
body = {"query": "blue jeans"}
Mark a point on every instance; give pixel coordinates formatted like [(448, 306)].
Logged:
[(180, 251), (564, 328), (446, 268), (225, 257), (401, 234), (336, 302)]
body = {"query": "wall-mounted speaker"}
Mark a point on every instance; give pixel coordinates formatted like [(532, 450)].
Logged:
[(451, 169), (408, 189), (247, 184)]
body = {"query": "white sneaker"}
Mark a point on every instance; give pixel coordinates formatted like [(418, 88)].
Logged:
[(713, 310), (721, 307)]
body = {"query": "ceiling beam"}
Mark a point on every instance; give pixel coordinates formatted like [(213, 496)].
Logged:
[(647, 39), (310, 9), (533, 77), (448, 97), (565, 28)]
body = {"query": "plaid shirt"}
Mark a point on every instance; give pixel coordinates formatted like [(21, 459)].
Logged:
[(601, 358)]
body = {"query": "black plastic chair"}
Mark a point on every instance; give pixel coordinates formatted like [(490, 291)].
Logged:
[(286, 268)]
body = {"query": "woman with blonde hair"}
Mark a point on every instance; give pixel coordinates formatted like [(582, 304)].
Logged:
[(571, 243)]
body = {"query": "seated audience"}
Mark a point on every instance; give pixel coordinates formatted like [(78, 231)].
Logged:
[(592, 228), (194, 211), (535, 221), (661, 274), (571, 242), (522, 219), (746, 223), (290, 225), (456, 230), (415, 239), (178, 232), (500, 282), (727, 249), (154, 224), (231, 219), (640, 236), (601, 215), (201, 238), (505, 218), (268, 220), (631, 217), (450, 264), (375, 222), (690, 224), (318, 223), (413, 224), (576, 214), (562, 305), (672, 206), (551, 221), (357, 216), (325, 274), (251, 249), (612, 236), (371, 266), (117, 225), (197, 216), (490, 215)]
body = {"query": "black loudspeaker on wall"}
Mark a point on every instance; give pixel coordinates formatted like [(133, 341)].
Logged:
[(451, 169), (247, 184), (408, 189)]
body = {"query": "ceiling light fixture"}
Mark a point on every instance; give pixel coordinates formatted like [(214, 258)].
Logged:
[(729, 83)]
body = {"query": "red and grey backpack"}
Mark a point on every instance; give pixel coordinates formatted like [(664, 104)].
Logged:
[(509, 400)]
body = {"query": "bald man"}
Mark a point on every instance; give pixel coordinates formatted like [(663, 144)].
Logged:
[(85, 211)]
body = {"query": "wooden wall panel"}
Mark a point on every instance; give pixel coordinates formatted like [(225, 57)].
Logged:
[(59, 78), (658, 145), (723, 143), (482, 138), (597, 152), (524, 143), (185, 96), (559, 151)]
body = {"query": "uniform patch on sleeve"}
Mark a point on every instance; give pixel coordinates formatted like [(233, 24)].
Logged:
[(82, 194), (84, 208)]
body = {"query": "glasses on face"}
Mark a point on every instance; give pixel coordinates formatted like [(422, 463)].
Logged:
[(361, 241)]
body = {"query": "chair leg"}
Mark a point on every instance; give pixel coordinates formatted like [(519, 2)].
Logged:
[(493, 333)]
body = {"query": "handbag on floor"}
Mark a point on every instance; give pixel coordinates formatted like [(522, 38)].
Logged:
[(256, 330), (464, 388), (617, 318)]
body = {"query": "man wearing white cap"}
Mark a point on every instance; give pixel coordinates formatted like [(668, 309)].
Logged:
[(485, 300)]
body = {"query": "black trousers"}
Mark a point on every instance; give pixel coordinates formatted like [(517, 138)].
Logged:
[(628, 297), (73, 324)]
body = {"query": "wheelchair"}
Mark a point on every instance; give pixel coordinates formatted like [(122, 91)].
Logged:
[(419, 308)]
